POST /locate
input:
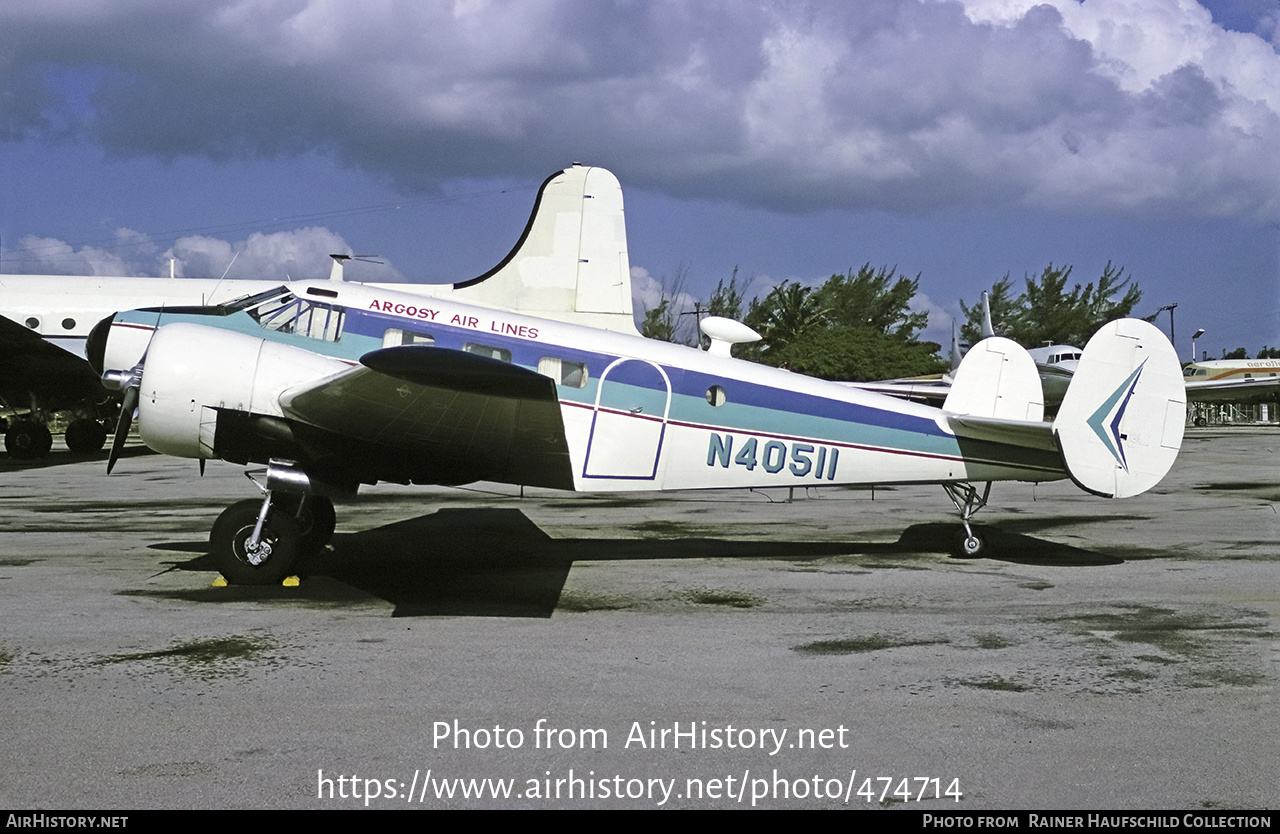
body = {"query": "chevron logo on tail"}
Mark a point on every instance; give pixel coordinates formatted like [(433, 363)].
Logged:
[(1105, 422)]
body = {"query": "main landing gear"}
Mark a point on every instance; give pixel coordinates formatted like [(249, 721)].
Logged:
[(29, 438), (258, 542), (969, 543)]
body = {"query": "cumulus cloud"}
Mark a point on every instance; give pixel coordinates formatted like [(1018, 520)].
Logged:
[(49, 256), (298, 254), (890, 104)]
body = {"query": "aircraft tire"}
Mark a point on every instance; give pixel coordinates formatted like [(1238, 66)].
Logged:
[(280, 537), (27, 440), (317, 522), (85, 436), (968, 546)]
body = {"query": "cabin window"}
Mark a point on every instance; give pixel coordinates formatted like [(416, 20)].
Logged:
[(33, 322), (395, 337), (716, 396), (563, 371), (501, 354), (68, 324)]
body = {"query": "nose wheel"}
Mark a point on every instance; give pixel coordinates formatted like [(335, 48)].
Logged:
[(254, 543), (259, 541)]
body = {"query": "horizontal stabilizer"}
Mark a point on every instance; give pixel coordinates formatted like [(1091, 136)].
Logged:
[(1121, 421), (996, 379), (1031, 434)]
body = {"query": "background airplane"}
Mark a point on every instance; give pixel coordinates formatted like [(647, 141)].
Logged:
[(334, 385), (567, 271), (1233, 380), (45, 321)]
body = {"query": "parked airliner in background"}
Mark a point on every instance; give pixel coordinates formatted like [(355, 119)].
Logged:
[(567, 271), (1233, 380), (44, 322), (334, 385)]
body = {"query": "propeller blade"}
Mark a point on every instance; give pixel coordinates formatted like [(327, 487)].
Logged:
[(123, 425)]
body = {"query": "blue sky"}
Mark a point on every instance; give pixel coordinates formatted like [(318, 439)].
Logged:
[(959, 140)]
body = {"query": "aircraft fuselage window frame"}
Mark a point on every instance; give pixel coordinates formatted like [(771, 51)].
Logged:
[(716, 396), (565, 372), (488, 351), (396, 337)]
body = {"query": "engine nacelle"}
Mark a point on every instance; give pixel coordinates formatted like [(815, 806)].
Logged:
[(191, 370)]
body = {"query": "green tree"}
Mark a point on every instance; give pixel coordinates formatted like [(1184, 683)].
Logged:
[(788, 312), (662, 321), (1048, 312), (1269, 353), (1238, 353), (857, 326), (859, 354), (872, 298), (726, 301)]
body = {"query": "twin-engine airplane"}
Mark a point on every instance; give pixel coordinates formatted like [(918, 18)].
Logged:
[(333, 385)]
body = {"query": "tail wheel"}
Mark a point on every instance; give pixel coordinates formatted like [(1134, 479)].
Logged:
[(969, 544), (270, 560)]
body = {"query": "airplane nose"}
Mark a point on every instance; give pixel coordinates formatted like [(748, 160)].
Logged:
[(95, 347)]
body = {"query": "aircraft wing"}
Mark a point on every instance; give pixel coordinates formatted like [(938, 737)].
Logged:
[(31, 366), (453, 416), (1233, 390)]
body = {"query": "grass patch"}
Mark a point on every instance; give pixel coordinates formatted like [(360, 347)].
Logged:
[(582, 603), (870, 643), (1166, 629), (998, 683), (992, 641), (199, 652), (732, 599)]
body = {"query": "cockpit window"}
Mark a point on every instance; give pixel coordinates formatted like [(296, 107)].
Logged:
[(289, 314)]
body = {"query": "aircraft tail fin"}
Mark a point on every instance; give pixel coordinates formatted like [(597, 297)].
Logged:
[(1120, 425), (571, 261), (988, 329), (996, 379)]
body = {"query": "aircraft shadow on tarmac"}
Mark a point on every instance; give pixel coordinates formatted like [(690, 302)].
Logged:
[(498, 563), (65, 457)]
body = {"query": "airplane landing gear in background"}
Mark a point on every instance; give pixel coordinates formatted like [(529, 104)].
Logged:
[(27, 440)]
